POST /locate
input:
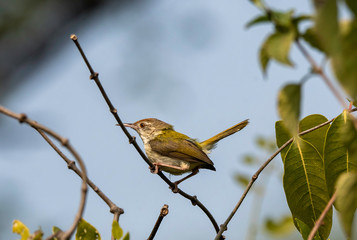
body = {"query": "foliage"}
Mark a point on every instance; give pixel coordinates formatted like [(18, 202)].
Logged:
[(323, 161)]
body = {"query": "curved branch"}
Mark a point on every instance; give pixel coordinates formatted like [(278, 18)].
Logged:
[(65, 142), (132, 139)]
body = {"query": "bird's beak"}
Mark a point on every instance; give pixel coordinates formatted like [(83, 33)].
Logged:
[(130, 125)]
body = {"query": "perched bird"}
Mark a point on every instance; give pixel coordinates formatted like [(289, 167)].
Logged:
[(174, 152)]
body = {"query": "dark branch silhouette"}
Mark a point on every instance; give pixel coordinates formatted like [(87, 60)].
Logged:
[(132, 140)]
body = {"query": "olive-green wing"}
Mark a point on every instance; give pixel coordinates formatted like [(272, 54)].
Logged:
[(182, 149)]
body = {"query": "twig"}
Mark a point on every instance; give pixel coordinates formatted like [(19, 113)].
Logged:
[(319, 221), (316, 69), (132, 139), (65, 142), (164, 211), (257, 173)]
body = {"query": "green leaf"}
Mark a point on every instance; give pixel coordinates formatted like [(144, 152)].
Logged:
[(86, 231), (54, 230), (317, 137), (305, 185), (346, 200), (117, 231), (305, 230), (258, 3), (282, 136), (277, 46), (327, 15), (279, 227), (310, 37), (21, 229), (257, 20), (352, 5), (344, 62), (127, 236), (283, 20), (250, 159), (289, 106), (336, 157)]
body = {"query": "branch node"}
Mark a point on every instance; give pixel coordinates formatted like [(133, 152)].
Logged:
[(254, 177), (194, 200), (132, 139), (71, 164), (114, 110), (65, 142), (23, 118), (94, 76), (224, 227), (115, 209)]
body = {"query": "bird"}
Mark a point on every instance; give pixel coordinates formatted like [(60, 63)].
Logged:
[(176, 153)]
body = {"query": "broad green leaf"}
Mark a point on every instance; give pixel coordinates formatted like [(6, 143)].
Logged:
[(289, 106), (127, 236), (327, 15), (279, 227), (117, 231), (310, 37), (282, 136), (336, 158), (305, 230), (21, 229), (305, 185), (277, 46), (257, 20), (346, 200), (344, 63), (352, 5), (86, 231), (316, 137)]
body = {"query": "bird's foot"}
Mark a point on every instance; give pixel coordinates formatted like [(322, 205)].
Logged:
[(154, 170)]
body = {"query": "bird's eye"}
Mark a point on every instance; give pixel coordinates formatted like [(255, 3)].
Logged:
[(142, 125)]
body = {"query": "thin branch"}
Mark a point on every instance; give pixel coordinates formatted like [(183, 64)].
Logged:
[(257, 173), (319, 221), (132, 139), (163, 212), (316, 69), (65, 142)]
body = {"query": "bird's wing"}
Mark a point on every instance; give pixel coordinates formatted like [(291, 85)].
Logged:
[(183, 149)]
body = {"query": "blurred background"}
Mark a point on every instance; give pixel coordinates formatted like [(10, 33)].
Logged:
[(189, 63)]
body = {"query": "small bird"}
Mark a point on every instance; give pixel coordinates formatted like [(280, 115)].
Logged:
[(174, 152)]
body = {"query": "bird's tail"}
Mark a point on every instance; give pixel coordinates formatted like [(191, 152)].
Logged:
[(210, 143)]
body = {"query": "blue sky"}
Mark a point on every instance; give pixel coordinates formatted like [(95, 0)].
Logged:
[(192, 64)]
